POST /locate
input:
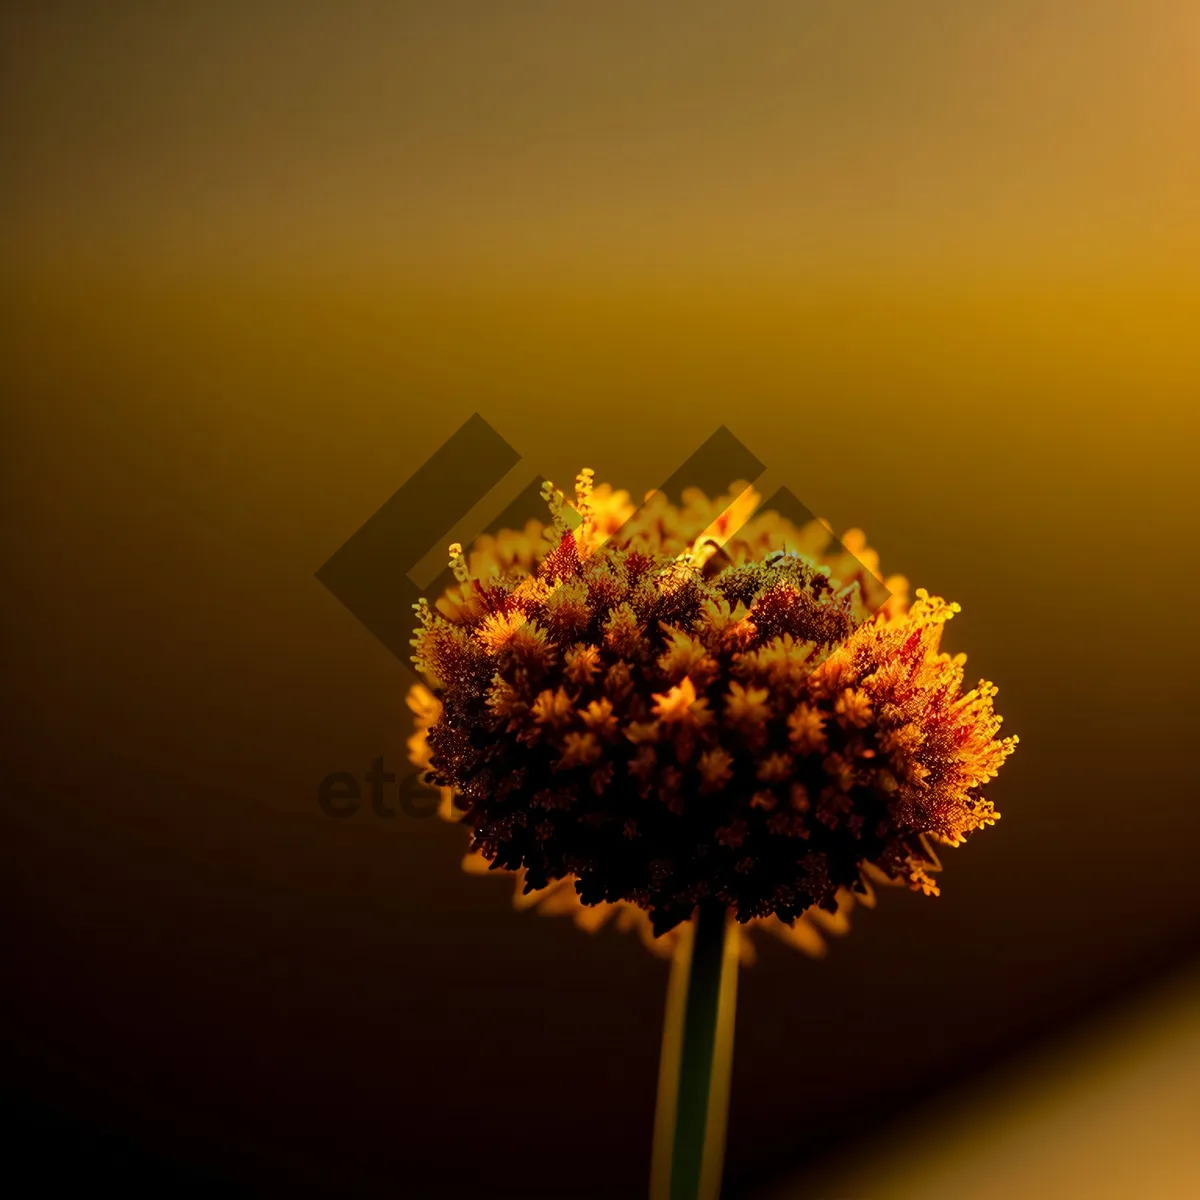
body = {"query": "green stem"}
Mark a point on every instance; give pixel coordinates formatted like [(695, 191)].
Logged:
[(704, 1059)]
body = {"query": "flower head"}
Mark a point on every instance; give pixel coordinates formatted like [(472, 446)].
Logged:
[(640, 711)]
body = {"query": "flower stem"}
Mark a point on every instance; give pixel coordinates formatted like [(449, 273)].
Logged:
[(696, 1061)]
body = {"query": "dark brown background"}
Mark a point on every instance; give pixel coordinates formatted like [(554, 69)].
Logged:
[(938, 269)]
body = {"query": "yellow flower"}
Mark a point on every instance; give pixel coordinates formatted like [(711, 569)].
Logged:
[(676, 704), (847, 745), (747, 706), (806, 729), (715, 768), (552, 707)]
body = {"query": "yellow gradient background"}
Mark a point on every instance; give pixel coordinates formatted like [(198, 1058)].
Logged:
[(937, 264)]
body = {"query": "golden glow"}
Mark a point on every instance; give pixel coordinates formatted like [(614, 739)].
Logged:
[(891, 662), (941, 274), (1107, 1111)]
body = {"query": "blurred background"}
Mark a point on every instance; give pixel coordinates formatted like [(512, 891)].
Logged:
[(936, 264)]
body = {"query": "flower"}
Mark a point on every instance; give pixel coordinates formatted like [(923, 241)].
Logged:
[(639, 711)]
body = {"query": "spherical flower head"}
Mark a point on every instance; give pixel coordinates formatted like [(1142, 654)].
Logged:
[(682, 704)]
